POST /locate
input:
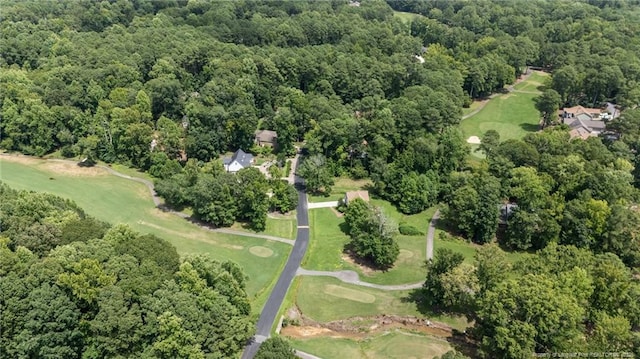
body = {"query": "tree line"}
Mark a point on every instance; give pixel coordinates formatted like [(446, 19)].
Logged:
[(561, 299), (75, 287)]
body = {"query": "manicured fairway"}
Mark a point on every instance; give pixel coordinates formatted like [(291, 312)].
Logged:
[(326, 299), (533, 82), (513, 114), (474, 106), (117, 200), (328, 240), (395, 344)]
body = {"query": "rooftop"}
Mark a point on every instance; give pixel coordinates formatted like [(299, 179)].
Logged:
[(243, 158)]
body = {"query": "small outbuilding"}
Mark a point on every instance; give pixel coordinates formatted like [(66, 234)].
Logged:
[(351, 195), (266, 138)]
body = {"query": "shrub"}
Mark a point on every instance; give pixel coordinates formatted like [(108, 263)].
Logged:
[(287, 168), (407, 230)]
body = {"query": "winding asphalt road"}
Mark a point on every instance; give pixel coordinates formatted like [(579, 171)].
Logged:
[(271, 308)]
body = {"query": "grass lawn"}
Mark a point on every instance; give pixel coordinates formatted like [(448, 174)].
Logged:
[(394, 344), (513, 115), (533, 82), (284, 227), (468, 250), (327, 242), (474, 106), (406, 16), (117, 200), (326, 299), (342, 185)]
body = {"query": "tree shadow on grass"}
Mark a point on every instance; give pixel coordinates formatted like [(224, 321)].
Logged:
[(529, 127), (542, 88), (461, 341)]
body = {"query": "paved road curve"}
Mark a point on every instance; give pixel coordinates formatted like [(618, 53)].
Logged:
[(271, 308)]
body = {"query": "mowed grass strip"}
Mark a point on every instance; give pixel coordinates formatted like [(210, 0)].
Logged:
[(513, 115), (535, 80), (283, 227), (327, 242), (390, 345), (117, 200)]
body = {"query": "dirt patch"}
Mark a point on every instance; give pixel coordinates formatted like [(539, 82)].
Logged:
[(363, 327), (260, 251), (63, 168), (504, 97), (366, 270), (73, 170), (350, 294), (474, 140), (305, 332)]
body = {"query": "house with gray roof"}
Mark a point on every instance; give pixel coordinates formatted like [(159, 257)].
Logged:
[(584, 122), (238, 161)]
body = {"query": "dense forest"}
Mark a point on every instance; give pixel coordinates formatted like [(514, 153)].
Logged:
[(168, 86), (75, 287)]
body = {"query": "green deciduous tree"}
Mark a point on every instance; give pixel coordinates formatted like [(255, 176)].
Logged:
[(316, 174), (275, 348), (548, 104), (372, 234), (174, 341)]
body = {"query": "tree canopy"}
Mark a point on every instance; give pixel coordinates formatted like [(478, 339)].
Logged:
[(99, 291)]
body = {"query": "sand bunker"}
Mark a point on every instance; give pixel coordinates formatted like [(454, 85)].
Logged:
[(475, 140), (261, 251), (346, 293)]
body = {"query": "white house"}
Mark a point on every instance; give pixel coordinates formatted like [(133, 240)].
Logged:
[(238, 161)]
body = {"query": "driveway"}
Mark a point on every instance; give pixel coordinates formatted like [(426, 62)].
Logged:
[(271, 308)]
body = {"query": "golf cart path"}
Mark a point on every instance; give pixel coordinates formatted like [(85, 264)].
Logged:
[(351, 277), (431, 233)]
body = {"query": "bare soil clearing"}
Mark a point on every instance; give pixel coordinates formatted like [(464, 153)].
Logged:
[(364, 327)]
